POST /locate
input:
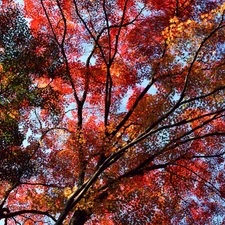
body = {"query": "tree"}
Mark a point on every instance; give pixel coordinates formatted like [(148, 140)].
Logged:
[(19, 63), (128, 121)]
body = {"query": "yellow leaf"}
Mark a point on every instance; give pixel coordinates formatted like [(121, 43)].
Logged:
[(67, 192)]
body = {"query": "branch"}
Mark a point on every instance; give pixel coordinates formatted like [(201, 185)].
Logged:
[(18, 213), (64, 22), (203, 96), (50, 23), (108, 29), (79, 193), (96, 39), (206, 156), (7, 195), (139, 170), (182, 95), (41, 184), (184, 121), (210, 185)]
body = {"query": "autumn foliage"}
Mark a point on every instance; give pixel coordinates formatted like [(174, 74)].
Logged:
[(112, 112)]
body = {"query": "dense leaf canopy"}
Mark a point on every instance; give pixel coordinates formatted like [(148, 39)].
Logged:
[(112, 112)]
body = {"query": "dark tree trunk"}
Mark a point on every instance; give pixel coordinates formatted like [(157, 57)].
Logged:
[(79, 217)]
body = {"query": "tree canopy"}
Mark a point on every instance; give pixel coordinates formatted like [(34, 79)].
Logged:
[(112, 112)]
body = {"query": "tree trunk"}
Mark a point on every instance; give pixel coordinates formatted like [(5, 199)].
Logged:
[(79, 217)]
